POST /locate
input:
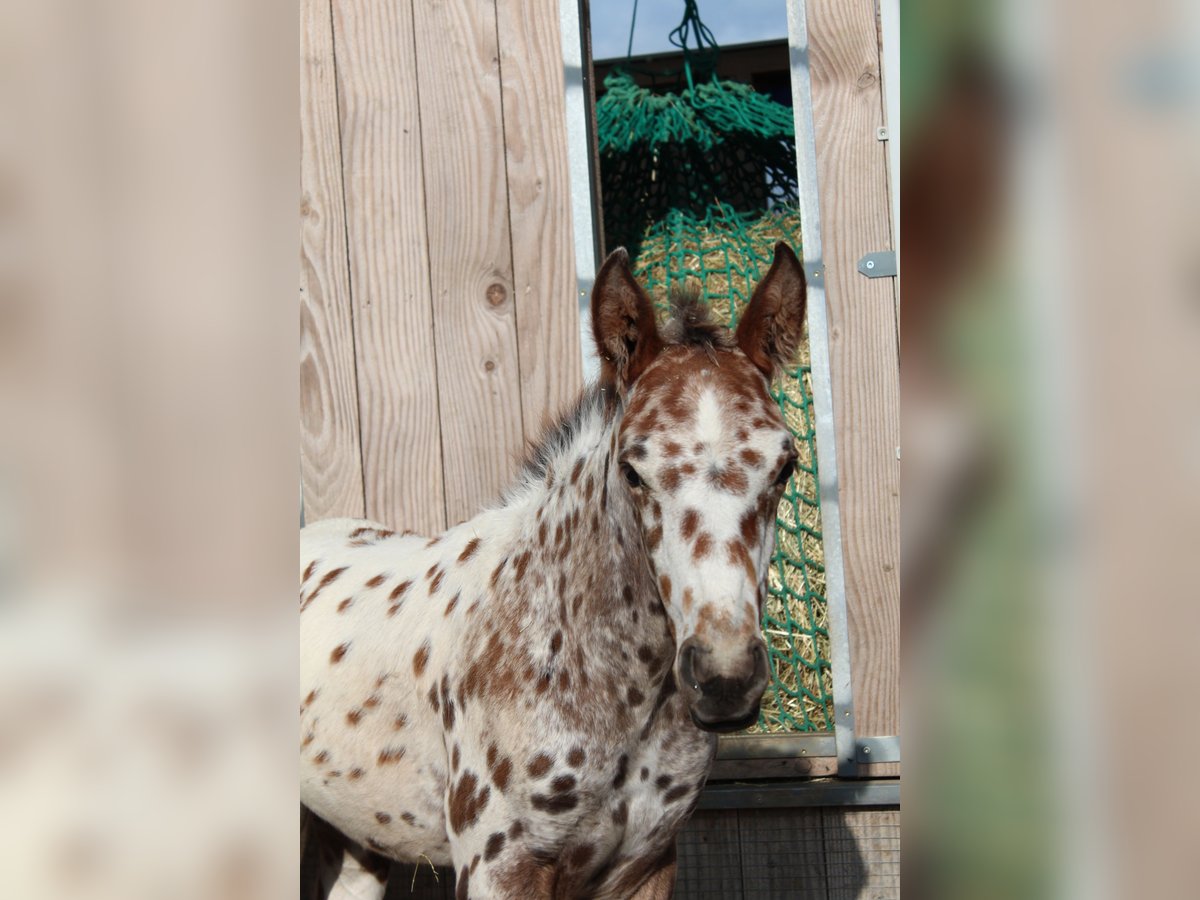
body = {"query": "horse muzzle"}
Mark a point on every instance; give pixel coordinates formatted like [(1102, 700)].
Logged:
[(723, 690)]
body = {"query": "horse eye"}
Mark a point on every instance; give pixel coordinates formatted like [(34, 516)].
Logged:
[(786, 472), (631, 476)]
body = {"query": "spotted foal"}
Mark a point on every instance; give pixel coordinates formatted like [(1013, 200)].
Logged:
[(531, 697)]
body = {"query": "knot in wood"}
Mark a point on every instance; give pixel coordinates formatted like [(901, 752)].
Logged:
[(496, 294)]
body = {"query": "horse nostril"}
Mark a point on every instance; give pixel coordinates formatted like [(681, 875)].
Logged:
[(687, 665), (760, 671)]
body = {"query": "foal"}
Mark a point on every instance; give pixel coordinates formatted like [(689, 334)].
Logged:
[(531, 696)]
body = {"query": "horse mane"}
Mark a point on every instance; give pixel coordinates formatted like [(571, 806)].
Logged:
[(594, 402)]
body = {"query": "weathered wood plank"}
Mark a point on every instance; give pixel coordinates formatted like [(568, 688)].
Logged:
[(710, 862), (389, 270), (539, 204), (783, 854), (330, 463), (851, 162), (470, 255), (862, 853), (793, 767)]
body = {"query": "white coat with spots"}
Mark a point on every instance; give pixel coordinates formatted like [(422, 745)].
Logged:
[(531, 697)]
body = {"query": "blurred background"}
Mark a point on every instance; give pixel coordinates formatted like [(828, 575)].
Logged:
[(1051, 414), (1049, 377)]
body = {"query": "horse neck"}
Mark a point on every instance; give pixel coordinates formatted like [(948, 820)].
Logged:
[(581, 520)]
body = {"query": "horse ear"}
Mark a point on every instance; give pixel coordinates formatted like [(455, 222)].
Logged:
[(771, 327), (623, 325)]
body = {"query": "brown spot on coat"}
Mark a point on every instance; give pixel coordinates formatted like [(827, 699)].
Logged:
[(469, 550), (501, 774), (669, 479), (447, 704), (453, 603), (421, 660), (521, 562), (752, 458), (622, 771), (563, 783), (495, 843), (654, 537), (390, 756), (581, 856), (322, 757), (576, 757), (356, 773), (748, 527), (664, 586), (691, 521), (465, 804), (345, 604), (675, 793), (620, 815), (437, 581), (539, 765), (398, 591), (312, 567), (354, 716), (382, 818), (739, 556), (555, 804), (702, 547), (339, 652), (730, 479), (376, 581), (399, 722)]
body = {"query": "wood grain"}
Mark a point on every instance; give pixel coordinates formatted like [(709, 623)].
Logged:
[(330, 463), (862, 853), (470, 256), (847, 111), (539, 204), (782, 767), (389, 267)]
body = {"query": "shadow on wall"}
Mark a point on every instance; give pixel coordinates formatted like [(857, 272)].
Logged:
[(764, 854)]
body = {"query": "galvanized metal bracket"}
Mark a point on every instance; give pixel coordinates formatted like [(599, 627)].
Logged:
[(878, 265), (877, 749)]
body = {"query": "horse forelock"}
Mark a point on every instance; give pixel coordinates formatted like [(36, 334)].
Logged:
[(689, 322)]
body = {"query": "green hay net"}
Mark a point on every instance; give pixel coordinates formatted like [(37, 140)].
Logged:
[(699, 183)]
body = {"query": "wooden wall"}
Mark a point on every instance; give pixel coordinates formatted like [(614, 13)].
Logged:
[(438, 313), (864, 339)]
